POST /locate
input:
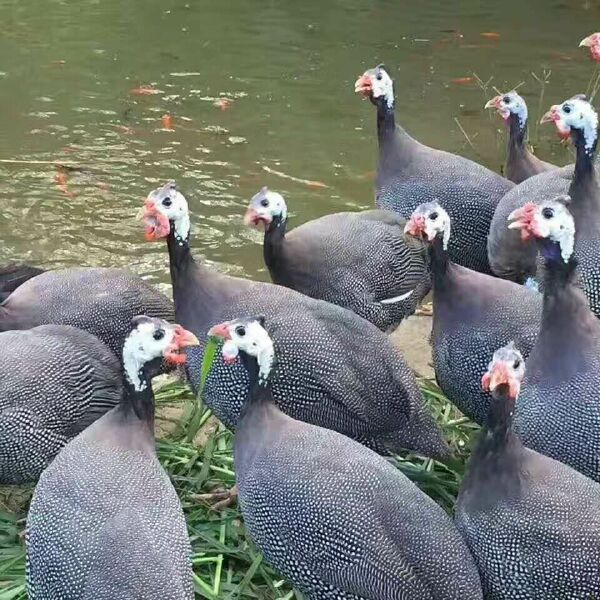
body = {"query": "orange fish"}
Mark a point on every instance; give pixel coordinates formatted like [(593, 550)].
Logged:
[(167, 122), (462, 80), (61, 179), (223, 103), (145, 90), (490, 35), (315, 184)]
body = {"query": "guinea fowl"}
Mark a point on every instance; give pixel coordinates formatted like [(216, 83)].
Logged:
[(12, 276), (359, 260), (410, 173), (330, 515), (336, 369), (105, 521), (509, 256), (531, 522), (521, 164), (473, 314), (71, 378), (100, 301), (559, 411)]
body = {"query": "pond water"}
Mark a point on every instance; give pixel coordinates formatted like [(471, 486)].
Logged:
[(67, 71)]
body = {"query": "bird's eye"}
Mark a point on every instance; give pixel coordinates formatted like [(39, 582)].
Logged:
[(379, 76), (264, 202), (159, 334), (433, 216), (517, 363), (167, 202), (547, 213), (506, 99), (240, 331), (566, 108)]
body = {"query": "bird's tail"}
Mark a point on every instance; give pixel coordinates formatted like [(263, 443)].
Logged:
[(12, 276)]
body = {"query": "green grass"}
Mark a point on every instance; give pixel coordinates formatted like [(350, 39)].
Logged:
[(226, 564)]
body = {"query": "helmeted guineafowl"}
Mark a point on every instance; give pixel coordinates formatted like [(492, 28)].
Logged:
[(55, 381), (100, 301), (473, 314), (335, 368), (330, 515), (13, 275), (105, 521), (358, 260), (410, 173), (521, 164), (531, 522), (558, 413), (513, 259)]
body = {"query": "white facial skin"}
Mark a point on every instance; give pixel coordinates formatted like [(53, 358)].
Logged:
[(435, 220), (251, 337), (173, 205), (269, 205), (576, 113), (382, 86), (141, 346), (513, 103)]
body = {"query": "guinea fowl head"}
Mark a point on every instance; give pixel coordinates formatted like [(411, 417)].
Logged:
[(149, 342), (249, 337), (429, 221), (165, 206), (376, 85), (550, 223), (507, 368), (265, 208), (575, 117), (510, 104), (593, 43)]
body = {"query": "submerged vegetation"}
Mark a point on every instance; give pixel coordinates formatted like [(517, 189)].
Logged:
[(226, 564)]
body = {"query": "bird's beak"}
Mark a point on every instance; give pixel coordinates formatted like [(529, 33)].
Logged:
[(363, 85), (586, 41), (221, 331), (182, 338), (415, 226), (493, 103), (551, 115), (524, 219)]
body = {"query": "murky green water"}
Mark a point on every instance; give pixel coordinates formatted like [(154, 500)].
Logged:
[(67, 69)]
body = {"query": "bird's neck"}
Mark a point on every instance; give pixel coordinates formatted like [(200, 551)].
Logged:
[(180, 257), (497, 455), (273, 242), (564, 303), (439, 261), (386, 121), (259, 389), (584, 189), (137, 402), (517, 135)]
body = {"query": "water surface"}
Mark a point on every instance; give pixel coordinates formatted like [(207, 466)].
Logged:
[(67, 70)]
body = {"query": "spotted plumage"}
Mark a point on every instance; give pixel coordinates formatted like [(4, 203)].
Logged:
[(521, 164), (105, 521), (531, 522), (13, 275), (360, 261), (558, 413), (335, 368), (473, 314), (509, 257), (333, 517), (410, 173), (100, 301), (71, 379)]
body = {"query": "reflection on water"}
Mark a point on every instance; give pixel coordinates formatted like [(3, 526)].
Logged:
[(252, 89)]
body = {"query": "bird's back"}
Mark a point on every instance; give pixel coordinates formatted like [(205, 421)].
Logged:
[(341, 522), (105, 523), (100, 301)]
